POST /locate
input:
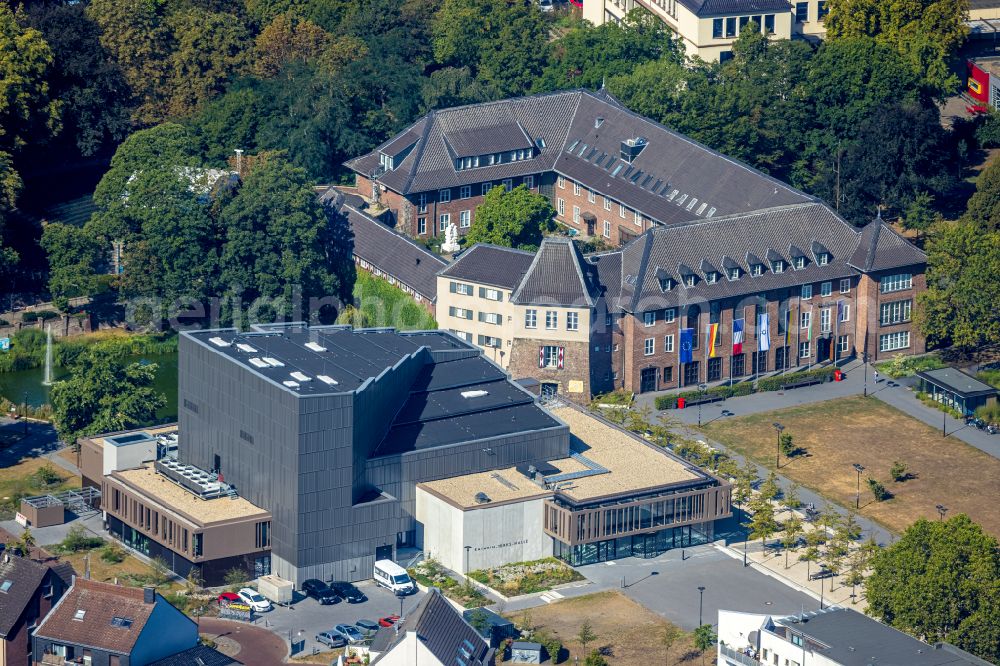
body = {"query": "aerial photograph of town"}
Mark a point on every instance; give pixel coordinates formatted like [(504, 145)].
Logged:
[(488, 332)]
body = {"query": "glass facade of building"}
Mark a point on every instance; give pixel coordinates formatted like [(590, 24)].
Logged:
[(647, 545)]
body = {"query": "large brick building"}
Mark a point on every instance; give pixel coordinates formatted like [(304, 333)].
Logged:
[(608, 171)]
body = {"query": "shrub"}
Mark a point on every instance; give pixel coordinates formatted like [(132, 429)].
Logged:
[(904, 366), (776, 383), (235, 578), (78, 539), (595, 658), (618, 397), (113, 554), (898, 471), (879, 491), (989, 413), (45, 477), (552, 645), (4, 322)]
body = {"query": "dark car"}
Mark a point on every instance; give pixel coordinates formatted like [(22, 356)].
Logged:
[(320, 591), (367, 627), (348, 592)]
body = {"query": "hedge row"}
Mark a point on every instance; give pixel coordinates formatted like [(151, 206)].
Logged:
[(746, 388)]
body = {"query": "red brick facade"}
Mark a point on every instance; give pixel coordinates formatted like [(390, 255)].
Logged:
[(614, 222)]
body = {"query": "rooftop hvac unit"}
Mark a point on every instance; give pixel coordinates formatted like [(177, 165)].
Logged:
[(482, 498)]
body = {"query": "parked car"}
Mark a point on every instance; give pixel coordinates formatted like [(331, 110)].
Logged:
[(331, 639), (388, 620), (229, 598), (366, 627), (349, 633), (348, 592), (393, 577), (320, 591), (254, 599)]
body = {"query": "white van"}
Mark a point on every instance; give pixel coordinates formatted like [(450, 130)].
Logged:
[(393, 577)]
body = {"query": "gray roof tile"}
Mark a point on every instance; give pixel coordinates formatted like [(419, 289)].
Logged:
[(715, 7), (502, 267), (880, 248), (558, 276), (24, 577)]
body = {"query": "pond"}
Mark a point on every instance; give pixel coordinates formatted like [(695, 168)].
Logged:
[(16, 385)]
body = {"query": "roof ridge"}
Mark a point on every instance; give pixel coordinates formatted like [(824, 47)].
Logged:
[(430, 118), (662, 228), (397, 234)]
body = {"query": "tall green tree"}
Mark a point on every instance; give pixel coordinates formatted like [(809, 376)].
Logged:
[(27, 111), (940, 581), (925, 33), (74, 262), (103, 394), (512, 219)]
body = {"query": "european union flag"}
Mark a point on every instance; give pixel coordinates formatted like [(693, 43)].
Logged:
[(687, 345)]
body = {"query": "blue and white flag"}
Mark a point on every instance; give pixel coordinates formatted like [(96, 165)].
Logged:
[(764, 333), (687, 345)]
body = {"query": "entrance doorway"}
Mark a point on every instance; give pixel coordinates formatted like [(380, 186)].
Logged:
[(822, 349), (647, 380), (383, 553)]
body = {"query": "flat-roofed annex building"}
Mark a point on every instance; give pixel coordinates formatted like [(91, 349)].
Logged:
[(331, 428), (614, 495)]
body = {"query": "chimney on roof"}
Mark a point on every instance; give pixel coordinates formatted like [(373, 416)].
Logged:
[(149, 595)]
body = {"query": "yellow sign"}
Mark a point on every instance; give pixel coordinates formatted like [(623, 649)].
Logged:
[(575, 386)]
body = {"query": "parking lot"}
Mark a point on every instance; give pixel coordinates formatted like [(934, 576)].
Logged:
[(307, 616)]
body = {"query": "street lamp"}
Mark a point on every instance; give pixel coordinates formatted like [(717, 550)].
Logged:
[(467, 549), (701, 387), (941, 509), (777, 454), (864, 359), (24, 412), (857, 498), (701, 599)]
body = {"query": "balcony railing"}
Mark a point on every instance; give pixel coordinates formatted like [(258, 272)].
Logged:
[(54, 660), (737, 657)]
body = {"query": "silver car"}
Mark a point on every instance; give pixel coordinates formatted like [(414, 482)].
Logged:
[(349, 633)]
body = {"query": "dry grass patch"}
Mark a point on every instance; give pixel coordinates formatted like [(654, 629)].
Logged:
[(631, 631), (838, 433)]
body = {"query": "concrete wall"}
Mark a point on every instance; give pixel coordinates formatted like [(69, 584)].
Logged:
[(129, 456), (498, 534)]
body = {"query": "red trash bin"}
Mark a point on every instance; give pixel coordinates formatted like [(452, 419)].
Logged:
[(681, 402), (838, 375)]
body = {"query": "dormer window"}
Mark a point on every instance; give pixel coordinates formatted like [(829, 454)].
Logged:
[(666, 284), (756, 270), (690, 280), (386, 162), (778, 266), (711, 278), (734, 274), (823, 258), (800, 263)]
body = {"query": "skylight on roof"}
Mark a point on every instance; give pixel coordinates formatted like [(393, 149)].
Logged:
[(691, 203), (327, 379), (711, 212), (219, 342), (273, 362), (673, 193), (5, 586), (701, 208), (583, 149), (572, 146), (681, 199), (301, 377), (617, 169), (290, 384), (245, 348), (474, 394), (258, 363), (123, 622), (315, 346), (79, 614)]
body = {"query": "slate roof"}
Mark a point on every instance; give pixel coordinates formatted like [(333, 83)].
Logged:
[(502, 267), (558, 275), (716, 7), (25, 577), (880, 247), (199, 655), (676, 250), (609, 276), (392, 252), (441, 629), (101, 602), (858, 640), (579, 134)]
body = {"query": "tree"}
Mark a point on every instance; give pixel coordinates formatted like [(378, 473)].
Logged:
[(926, 33), (160, 571), (920, 214), (792, 533), (939, 581), (762, 524), (479, 620), (27, 113), (586, 634), (787, 444), (74, 262), (704, 639), (898, 471), (791, 496), (595, 658), (983, 208), (810, 555), (25, 542), (668, 637), (235, 578), (512, 219), (769, 489), (847, 528), (833, 559), (135, 33), (103, 394), (878, 489)]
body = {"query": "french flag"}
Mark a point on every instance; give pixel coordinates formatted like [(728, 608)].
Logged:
[(738, 336)]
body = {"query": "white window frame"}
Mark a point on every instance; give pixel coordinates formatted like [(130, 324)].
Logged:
[(825, 289), (531, 318), (825, 320), (843, 344), (550, 356), (576, 189), (894, 341), (444, 220), (845, 312), (607, 203), (572, 321), (529, 181), (845, 285), (668, 343), (898, 312), (805, 319), (463, 288), (421, 226), (465, 219), (561, 182), (607, 228), (637, 218), (807, 292), (551, 320), (465, 192), (422, 202), (444, 196), (486, 188), (576, 215), (649, 318), (622, 211), (561, 206), (800, 263), (492, 294), (897, 282), (670, 315), (649, 347), (591, 196), (805, 349)]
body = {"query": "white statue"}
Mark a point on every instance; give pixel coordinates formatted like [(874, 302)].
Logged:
[(450, 239)]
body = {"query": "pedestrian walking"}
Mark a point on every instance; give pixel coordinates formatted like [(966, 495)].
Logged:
[(876, 376)]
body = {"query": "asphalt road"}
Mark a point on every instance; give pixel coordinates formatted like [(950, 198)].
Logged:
[(258, 647)]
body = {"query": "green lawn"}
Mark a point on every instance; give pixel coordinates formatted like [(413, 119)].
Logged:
[(378, 303)]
